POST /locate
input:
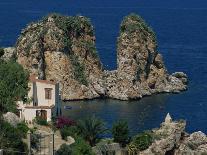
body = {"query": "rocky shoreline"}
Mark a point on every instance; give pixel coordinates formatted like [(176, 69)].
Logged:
[(62, 49)]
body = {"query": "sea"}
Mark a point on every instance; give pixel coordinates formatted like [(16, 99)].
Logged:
[(181, 29)]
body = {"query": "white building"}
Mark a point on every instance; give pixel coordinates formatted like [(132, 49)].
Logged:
[(45, 100)]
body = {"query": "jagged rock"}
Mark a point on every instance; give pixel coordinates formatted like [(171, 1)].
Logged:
[(141, 70), (12, 119), (168, 119), (62, 49), (9, 53), (172, 139)]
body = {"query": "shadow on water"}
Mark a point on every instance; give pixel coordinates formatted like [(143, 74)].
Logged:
[(141, 115)]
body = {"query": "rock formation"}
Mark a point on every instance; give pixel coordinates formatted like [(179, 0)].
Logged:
[(12, 118), (172, 139), (62, 49), (141, 70)]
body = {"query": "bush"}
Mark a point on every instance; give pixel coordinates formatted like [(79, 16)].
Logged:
[(22, 129), (80, 147), (142, 141), (41, 121), (68, 131), (120, 132), (11, 138), (62, 122), (64, 150), (1, 52)]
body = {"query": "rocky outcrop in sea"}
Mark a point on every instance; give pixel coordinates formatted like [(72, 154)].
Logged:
[(62, 49), (173, 140)]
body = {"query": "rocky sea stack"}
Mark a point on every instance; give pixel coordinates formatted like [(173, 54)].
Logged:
[(62, 49)]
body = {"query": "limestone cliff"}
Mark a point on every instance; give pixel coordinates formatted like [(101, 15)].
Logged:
[(141, 70), (62, 49)]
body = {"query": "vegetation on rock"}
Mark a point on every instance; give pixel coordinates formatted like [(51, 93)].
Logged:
[(140, 142), (134, 23)]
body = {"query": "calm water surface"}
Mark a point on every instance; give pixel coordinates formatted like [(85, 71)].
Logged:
[(181, 28)]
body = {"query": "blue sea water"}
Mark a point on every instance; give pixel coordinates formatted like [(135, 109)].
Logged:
[(181, 28)]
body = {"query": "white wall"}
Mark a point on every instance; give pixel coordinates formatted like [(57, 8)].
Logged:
[(41, 94)]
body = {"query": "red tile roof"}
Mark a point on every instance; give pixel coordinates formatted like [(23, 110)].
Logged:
[(33, 78)]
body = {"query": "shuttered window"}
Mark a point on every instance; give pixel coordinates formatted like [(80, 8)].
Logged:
[(48, 93)]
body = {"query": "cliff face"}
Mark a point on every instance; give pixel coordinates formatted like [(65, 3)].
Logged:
[(141, 70), (62, 49)]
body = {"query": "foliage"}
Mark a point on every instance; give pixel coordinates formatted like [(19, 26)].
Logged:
[(133, 23), (13, 85), (89, 46), (22, 128), (11, 138), (141, 141), (120, 132), (1, 52), (80, 147), (79, 70), (68, 131), (41, 121), (64, 150), (64, 121), (72, 26), (91, 128)]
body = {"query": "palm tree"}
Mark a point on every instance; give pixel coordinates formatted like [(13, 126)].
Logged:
[(91, 128)]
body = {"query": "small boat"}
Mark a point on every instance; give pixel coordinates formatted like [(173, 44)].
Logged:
[(67, 107)]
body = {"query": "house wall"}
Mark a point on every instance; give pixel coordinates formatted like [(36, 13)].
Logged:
[(39, 97), (29, 114)]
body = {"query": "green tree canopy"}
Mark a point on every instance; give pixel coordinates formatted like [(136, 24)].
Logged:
[(90, 128), (120, 132), (13, 85)]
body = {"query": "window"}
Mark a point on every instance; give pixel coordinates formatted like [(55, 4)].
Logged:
[(48, 93)]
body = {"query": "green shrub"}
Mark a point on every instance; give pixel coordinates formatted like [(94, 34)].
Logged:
[(1, 52), (120, 132), (78, 70), (68, 131), (64, 150), (11, 138), (133, 23), (80, 147), (41, 121), (22, 129), (142, 141)]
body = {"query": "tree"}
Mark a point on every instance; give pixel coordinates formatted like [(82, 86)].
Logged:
[(120, 132), (91, 128), (13, 85)]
